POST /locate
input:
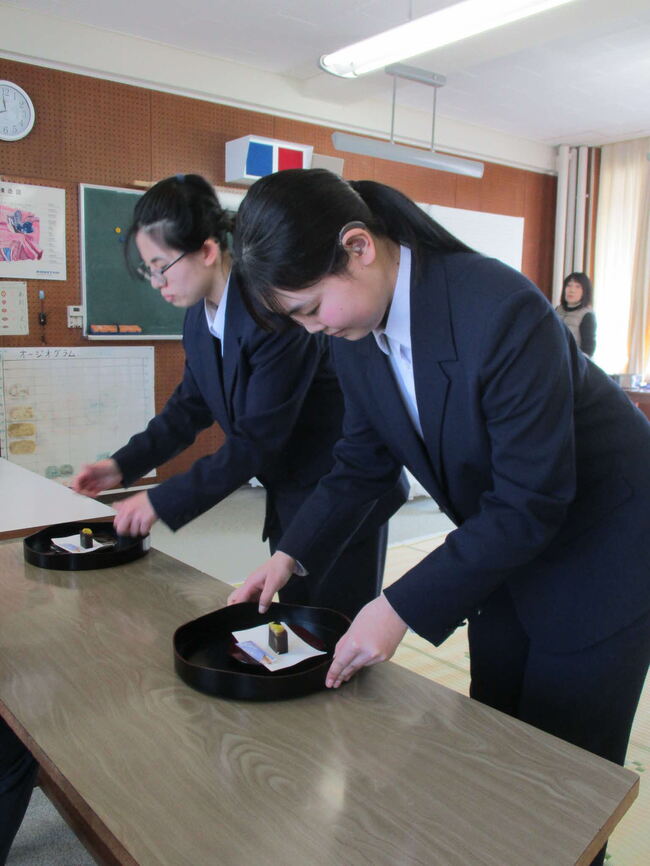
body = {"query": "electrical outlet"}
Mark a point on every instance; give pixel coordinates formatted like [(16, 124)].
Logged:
[(75, 316)]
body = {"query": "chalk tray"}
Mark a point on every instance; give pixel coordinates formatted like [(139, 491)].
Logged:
[(205, 658), (39, 549)]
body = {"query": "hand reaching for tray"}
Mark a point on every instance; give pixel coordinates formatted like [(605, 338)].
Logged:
[(373, 637), (135, 515), (96, 477), (265, 581)]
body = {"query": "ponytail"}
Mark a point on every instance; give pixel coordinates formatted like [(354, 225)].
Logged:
[(287, 230), (404, 222)]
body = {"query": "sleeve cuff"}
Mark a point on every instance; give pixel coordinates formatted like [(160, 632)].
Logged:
[(299, 569)]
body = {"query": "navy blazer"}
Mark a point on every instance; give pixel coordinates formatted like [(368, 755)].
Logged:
[(538, 457), (277, 399)]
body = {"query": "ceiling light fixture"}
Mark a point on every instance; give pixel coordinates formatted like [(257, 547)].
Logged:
[(399, 152), (431, 31)]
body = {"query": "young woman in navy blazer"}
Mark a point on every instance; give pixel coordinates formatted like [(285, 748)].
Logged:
[(273, 393), (456, 366)]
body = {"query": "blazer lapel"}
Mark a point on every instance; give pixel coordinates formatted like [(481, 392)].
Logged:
[(433, 346), (236, 315), (210, 365), (403, 434)]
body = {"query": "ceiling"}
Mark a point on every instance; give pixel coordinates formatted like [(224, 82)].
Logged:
[(579, 74)]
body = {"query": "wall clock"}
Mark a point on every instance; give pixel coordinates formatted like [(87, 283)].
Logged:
[(16, 112)]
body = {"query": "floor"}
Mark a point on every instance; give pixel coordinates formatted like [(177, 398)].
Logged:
[(224, 543)]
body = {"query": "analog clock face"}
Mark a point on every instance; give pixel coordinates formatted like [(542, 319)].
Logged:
[(16, 112)]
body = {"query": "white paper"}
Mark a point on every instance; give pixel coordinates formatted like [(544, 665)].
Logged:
[(299, 650), (71, 544)]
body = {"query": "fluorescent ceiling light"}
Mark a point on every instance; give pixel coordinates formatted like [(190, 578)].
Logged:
[(431, 31), (409, 155), (399, 152)]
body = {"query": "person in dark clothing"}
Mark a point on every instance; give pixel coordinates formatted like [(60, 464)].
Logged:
[(273, 393), (17, 776), (456, 366)]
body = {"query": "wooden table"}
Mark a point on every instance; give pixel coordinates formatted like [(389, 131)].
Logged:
[(391, 769), (28, 502)]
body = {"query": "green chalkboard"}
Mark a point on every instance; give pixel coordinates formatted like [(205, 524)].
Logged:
[(111, 296)]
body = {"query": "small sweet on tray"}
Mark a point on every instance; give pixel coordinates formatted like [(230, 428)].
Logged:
[(278, 638), (276, 645)]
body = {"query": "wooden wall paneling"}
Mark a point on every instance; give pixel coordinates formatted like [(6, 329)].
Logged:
[(420, 184), (190, 135), (500, 190), (107, 130), (539, 229)]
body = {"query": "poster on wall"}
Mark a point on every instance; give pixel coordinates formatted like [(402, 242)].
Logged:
[(13, 309), (32, 232)]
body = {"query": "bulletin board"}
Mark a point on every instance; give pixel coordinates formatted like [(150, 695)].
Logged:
[(61, 407), (126, 307)]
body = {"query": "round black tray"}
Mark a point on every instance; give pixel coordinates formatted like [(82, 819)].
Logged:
[(39, 550), (203, 652)]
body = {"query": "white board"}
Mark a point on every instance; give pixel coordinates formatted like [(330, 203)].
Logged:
[(495, 235), (61, 407)]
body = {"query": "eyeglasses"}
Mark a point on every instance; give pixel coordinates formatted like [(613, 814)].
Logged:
[(157, 274)]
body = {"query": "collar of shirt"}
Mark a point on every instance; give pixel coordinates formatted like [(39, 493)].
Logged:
[(398, 324), (216, 315)]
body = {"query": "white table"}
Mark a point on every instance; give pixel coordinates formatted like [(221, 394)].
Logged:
[(28, 502)]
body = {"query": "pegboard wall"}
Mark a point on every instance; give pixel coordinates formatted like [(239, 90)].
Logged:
[(89, 130)]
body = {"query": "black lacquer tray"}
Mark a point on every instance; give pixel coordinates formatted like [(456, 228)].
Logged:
[(39, 549), (205, 656)]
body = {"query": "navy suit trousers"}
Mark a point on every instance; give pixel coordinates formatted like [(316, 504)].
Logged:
[(587, 698), (17, 774)]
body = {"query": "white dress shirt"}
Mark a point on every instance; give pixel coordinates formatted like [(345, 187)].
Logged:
[(394, 339), (216, 315)]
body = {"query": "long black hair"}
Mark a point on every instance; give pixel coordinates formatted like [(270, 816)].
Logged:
[(180, 212), (587, 291), (287, 229)]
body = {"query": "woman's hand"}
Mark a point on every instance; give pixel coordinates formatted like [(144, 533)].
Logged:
[(265, 581), (373, 637), (135, 515), (95, 477)]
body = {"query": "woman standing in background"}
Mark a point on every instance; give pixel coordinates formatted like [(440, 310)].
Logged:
[(576, 311)]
